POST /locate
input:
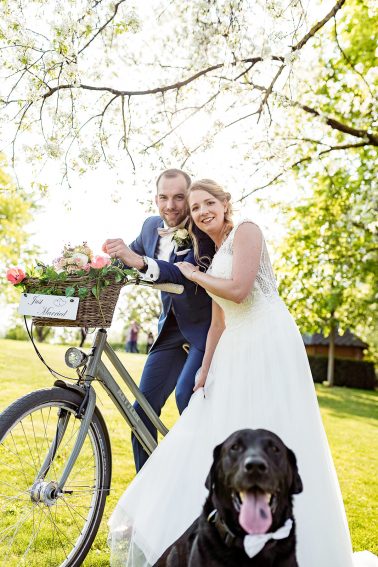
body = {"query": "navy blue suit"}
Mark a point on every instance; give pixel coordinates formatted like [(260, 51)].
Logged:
[(185, 318)]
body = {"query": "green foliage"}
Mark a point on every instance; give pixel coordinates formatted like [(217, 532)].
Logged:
[(141, 304), (16, 212), (349, 373), (17, 333), (328, 263)]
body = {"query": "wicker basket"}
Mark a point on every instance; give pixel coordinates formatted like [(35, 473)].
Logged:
[(92, 312)]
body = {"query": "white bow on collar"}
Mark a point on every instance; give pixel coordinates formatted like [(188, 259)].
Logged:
[(254, 543)]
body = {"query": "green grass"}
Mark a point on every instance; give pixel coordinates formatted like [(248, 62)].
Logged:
[(350, 418)]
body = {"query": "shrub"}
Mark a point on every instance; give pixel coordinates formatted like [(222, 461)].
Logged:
[(350, 373), (17, 333)]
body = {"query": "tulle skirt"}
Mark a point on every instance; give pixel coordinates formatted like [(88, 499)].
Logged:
[(259, 378)]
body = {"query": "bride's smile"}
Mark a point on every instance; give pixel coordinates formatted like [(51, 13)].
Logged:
[(208, 214)]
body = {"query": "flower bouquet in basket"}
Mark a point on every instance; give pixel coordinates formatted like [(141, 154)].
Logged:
[(77, 273)]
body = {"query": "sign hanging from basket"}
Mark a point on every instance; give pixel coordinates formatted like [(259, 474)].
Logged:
[(51, 306)]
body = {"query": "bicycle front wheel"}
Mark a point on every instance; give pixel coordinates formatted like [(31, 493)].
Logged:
[(38, 524)]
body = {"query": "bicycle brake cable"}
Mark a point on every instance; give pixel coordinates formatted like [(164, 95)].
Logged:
[(51, 370)]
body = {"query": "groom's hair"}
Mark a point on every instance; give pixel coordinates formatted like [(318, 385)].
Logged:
[(174, 173)]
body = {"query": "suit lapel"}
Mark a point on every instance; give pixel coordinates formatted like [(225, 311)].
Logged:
[(172, 257), (155, 239)]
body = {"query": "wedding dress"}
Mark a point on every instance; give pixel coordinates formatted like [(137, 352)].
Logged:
[(259, 378)]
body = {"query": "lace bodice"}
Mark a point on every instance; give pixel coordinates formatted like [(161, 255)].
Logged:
[(264, 289)]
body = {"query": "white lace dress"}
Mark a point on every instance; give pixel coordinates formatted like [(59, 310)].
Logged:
[(259, 378)]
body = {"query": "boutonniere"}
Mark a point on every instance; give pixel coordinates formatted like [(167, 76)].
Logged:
[(182, 238)]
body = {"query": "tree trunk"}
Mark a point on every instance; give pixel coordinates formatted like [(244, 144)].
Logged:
[(331, 356), (42, 333)]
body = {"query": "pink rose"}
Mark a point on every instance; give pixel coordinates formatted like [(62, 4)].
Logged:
[(87, 267), (99, 262), (15, 275)]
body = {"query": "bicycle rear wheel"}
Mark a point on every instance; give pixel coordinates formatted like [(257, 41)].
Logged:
[(37, 525)]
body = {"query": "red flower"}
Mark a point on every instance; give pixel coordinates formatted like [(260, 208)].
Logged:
[(15, 275)]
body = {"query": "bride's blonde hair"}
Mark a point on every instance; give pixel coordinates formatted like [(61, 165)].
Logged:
[(221, 195)]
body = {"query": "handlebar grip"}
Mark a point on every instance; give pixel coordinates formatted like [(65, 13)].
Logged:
[(169, 287)]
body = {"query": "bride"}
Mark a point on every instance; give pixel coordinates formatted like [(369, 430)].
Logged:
[(255, 374)]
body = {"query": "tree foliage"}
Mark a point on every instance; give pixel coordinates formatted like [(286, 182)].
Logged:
[(328, 267), (16, 212), (329, 257), (97, 79), (140, 304)]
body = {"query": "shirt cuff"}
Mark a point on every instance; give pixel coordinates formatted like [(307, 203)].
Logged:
[(153, 271)]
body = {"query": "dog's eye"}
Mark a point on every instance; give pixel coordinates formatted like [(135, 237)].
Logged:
[(275, 449), (235, 447)]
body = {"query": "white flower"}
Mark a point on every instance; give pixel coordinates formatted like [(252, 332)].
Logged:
[(81, 260), (182, 233), (181, 237)]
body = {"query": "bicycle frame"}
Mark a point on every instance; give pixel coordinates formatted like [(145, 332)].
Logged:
[(96, 369)]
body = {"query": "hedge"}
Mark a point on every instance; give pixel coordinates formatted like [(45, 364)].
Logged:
[(350, 373)]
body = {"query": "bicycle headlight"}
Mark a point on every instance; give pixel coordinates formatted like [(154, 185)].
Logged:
[(74, 357)]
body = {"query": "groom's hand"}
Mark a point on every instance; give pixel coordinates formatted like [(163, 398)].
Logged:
[(116, 248)]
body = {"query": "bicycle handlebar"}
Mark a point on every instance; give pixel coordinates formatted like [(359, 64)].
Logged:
[(169, 287)]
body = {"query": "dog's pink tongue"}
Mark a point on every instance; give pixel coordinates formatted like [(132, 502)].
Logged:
[(255, 516)]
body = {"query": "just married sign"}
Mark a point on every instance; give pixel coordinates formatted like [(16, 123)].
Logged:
[(52, 306)]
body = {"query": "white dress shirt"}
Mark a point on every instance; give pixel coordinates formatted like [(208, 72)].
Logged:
[(164, 250)]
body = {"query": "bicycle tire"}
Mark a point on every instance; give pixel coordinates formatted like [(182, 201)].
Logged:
[(56, 530)]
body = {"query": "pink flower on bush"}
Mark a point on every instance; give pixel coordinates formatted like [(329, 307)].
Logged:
[(99, 262), (87, 267), (15, 275)]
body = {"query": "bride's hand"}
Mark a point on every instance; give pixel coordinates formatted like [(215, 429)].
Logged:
[(200, 383), (187, 269)]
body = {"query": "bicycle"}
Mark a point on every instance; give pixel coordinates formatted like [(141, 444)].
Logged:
[(56, 461)]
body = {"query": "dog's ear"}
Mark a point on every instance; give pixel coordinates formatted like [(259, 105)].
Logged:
[(296, 484), (211, 476)]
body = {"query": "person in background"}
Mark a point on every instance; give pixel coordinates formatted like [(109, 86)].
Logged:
[(132, 338), (150, 342)]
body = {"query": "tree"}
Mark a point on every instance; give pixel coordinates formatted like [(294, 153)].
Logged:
[(16, 212), (140, 304), (329, 256), (88, 97), (328, 265)]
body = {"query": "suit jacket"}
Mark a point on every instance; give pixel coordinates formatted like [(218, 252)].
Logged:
[(192, 308)]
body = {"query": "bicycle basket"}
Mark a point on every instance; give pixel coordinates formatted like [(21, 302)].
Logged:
[(92, 311)]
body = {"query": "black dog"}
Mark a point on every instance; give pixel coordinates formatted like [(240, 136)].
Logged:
[(251, 483)]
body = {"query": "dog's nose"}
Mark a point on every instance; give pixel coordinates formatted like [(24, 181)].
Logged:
[(255, 464)]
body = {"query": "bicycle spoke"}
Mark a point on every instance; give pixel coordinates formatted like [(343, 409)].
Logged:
[(27, 442), (73, 508), (35, 534)]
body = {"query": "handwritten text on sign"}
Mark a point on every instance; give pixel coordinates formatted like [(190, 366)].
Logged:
[(52, 306)]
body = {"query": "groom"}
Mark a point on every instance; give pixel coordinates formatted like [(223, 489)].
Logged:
[(185, 318)]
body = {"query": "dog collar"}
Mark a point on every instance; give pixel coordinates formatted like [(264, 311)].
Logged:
[(228, 537), (252, 544)]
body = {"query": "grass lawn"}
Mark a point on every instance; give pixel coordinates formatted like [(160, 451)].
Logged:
[(350, 417)]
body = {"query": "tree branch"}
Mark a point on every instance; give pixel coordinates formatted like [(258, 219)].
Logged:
[(341, 127), (315, 28), (101, 29), (157, 90)]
